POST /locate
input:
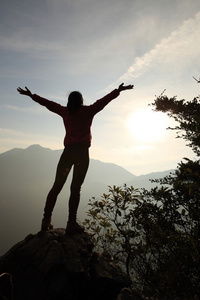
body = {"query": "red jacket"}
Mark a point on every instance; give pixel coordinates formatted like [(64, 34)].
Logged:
[(78, 125)]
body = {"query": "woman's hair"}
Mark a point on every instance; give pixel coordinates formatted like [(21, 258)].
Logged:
[(75, 101)]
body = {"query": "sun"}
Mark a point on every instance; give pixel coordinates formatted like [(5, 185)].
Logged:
[(147, 125)]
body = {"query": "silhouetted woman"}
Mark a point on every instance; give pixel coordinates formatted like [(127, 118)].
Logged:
[(77, 120)]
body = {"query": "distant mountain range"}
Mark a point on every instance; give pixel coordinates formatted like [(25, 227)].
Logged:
[(26, 177)]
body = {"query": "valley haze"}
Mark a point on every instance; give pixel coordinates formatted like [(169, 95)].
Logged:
[(26, 178)]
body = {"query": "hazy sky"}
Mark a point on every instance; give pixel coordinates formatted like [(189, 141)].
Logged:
[(57, 46)]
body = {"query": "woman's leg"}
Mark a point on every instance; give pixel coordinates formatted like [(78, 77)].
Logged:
[(79, 173), (63, 169)]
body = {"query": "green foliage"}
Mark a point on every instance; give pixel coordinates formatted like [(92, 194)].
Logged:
[(111, 222), (155, 235)]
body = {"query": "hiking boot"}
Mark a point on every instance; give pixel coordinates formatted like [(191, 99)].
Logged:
[(74, 227), (46, 224)]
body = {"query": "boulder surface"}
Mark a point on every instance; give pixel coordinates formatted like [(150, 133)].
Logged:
[(51, 265)]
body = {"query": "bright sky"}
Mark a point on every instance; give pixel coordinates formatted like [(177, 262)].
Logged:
[(57, 46)]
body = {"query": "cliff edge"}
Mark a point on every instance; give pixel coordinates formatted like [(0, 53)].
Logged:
[(51, 265)]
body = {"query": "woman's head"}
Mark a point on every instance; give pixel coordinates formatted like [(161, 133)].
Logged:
[(75, 101)]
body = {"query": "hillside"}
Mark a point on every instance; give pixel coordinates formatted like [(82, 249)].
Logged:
[(25, 179)]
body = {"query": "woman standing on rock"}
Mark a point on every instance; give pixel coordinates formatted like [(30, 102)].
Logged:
[(77, 120)]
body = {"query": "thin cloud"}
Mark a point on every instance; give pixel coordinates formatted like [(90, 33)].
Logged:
[(41, 48), (33, 109), (178, 47)]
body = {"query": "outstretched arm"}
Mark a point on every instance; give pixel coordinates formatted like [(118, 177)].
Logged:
[(101, 103), (52, 106), (123, 87)]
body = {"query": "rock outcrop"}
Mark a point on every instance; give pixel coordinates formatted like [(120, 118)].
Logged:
[(51, 265)]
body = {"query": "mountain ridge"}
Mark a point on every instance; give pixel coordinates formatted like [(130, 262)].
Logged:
[(26, 177), (37, 147)]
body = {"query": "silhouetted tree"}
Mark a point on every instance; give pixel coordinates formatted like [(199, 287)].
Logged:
[(187, 115)]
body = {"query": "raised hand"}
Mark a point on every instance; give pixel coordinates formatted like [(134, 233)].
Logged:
[(123, 87), (26, 92)]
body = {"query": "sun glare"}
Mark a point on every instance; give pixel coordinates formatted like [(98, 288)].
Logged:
[(147, 126)]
